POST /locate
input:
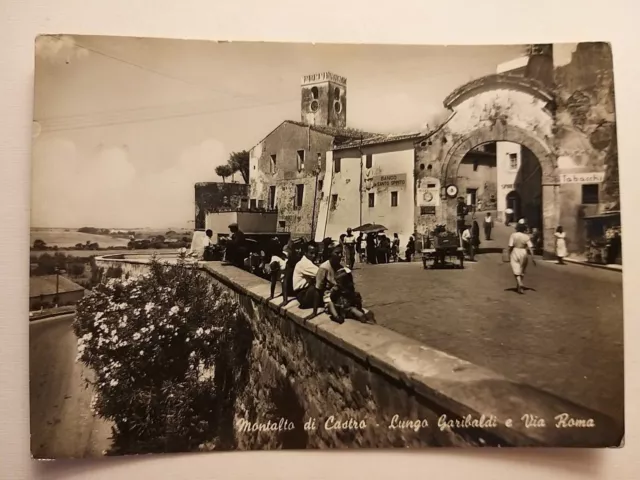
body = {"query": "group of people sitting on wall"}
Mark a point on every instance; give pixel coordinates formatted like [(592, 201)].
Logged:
[(317, 282)]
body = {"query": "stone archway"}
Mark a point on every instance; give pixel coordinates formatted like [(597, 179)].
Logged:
[(508, 133)]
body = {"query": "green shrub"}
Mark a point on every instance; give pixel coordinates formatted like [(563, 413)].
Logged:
[(153, 342)]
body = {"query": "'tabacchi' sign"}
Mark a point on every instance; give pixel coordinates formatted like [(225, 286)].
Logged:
[(592, 177)]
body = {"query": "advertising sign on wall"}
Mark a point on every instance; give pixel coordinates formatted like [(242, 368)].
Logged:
[(428, 192), (578, 178)]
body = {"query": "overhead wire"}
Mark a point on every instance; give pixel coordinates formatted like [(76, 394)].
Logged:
[(63, 123)]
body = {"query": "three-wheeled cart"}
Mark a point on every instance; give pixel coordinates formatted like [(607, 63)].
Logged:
[(442, 250)]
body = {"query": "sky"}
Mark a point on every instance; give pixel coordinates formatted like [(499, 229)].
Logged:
[(124, 127)]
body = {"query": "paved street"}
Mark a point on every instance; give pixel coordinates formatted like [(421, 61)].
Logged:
[(61, 422), (564, 337)]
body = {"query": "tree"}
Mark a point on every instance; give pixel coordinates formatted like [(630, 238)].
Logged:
[(224, 171), (39, 244), (239, 162), (154, 371)]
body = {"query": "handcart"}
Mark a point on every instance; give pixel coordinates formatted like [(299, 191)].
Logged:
[(442, 250)]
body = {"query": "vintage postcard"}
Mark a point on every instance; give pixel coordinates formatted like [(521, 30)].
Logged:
[(247, 246)]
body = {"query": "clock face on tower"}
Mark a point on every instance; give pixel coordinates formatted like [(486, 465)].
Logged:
[(452, 190), (428, 196)]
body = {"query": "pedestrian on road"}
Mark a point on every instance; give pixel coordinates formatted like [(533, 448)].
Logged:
[(468, 243), (520, 247), (461, 212), (488, 226), (508, 216), (561, 245), (349, 242), (362, 243), (371, 248), (411, 248), (395, 247)]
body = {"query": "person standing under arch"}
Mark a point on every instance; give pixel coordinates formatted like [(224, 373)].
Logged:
[(561, 245), (520, 247)]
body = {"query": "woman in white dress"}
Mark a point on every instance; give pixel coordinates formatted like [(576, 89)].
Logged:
[(561, 245), (520, 247)]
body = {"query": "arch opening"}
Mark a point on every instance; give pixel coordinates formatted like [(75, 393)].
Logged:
[(504, 179)]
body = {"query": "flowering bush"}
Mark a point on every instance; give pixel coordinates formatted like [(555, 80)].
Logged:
[(156, 344)]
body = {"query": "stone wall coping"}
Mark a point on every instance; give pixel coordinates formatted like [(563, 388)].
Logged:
[(453, 386)]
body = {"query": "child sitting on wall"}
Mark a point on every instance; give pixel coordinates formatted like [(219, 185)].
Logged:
[(346, 300)]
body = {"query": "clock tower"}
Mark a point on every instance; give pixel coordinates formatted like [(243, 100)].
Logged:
[(324, 100)]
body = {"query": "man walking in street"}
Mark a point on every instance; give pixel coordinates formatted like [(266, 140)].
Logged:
[(488, 226), (349, 243), (461, 212)]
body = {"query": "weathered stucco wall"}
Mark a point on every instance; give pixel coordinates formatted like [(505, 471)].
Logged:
[(300, 370), (492, 109), (217, 197), (284, 142), (352, 208), (585, 134)]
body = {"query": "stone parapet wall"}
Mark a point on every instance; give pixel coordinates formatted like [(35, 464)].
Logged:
[(360, 381)]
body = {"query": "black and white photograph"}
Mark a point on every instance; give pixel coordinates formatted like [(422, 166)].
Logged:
[(267, 246)]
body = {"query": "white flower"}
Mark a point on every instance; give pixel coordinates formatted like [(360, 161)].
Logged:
[(98, 315), (136, 336), (175, 309), (152, 328), (148, 307), (207, 331), (199, 332), (192, 354), (141, 352), (113, 382), (87, 336), (144, 330), (187, 309)]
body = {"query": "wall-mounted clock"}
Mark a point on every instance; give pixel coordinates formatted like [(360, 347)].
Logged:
[(428, 196), (452, 190)]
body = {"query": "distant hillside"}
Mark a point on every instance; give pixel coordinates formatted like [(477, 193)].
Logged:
[(64, 239)]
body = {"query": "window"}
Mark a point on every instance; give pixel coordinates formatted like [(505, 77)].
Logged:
[(272, 197), (300, 160), (319, 159), (372, 200), (244, 204), (336, 165), (513, 161), (336, 93), (334, 201), (273, 163), (475, 165), (320, 185), (394, 199), (253, 204), (369, 161), (299, 195), (590, 194), (260, 203), (314, 92)]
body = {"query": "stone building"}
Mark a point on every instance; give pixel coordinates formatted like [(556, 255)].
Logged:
[(287, 167), (539, 136), (213, 197), (562, 116), (369, 181), (47, 291)]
